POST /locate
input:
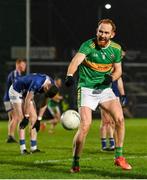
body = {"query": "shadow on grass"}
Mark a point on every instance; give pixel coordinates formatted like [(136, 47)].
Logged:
[(61, 168), (119, 174)]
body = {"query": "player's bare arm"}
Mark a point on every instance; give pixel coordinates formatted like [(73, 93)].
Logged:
[(76, 61), (117, 71), (121, 86)]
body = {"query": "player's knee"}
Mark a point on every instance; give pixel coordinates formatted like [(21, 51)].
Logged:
[(33, 123), (33, 118), (85, 128), (120, 121), (20, 117), (105, 123), (24, 123)]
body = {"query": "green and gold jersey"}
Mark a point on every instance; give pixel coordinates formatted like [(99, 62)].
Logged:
[(97, 63)]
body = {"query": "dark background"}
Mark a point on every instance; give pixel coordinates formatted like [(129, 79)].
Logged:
[(71, 22), (65, 24), (68, 23)]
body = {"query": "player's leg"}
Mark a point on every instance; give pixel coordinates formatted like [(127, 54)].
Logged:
[(12, 126), (103, 131), (51, 121), (104, 128), (54, 119), (18, 109), (16, 100), (33, 132), (111, 132), (8, 108), (9, 125), (115, 109), (79, 139), (40, 116), (87, 101), (57, 115), (110, 128)]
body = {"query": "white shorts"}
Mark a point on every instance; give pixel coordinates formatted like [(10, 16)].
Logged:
[(92, 98), (15, 97), (8, 106)]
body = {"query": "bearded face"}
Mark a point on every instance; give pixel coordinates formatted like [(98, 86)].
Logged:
[(104, 34), (102, 42)]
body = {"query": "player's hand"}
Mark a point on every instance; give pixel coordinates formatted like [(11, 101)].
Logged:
[(69, 81), (37, 125), (123, 100), (107, 80), (24, 123)]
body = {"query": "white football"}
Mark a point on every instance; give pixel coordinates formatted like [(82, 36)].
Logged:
[(70, 119)]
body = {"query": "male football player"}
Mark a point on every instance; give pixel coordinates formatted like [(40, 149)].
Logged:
[(20, 67), (21, 94), (95, 60)]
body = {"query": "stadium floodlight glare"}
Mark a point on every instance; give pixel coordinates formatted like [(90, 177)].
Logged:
[(108, 6), (101, 8)]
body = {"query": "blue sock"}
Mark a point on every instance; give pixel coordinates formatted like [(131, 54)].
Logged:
[(111, 142), (104, 143), (33, 145), (22, 141), (22, 145)]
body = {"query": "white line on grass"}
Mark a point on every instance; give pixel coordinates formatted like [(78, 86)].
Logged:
[(83, 159), (55, 160)]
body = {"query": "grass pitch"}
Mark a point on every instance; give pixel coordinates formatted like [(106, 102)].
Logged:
[(54, 161)]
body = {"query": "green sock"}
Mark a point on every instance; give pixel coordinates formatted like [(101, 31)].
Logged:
[(118, 151), (75, 161)]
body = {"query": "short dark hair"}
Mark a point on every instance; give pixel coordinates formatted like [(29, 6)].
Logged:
[(19, 60), (52, 91), (108, 21), (57, 78)]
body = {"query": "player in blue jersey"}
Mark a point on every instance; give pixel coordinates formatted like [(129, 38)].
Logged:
[(20, 67), (21, 94), (107, 126)]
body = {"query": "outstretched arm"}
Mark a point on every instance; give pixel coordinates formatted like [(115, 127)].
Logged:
[(72, 68), (76, 61)]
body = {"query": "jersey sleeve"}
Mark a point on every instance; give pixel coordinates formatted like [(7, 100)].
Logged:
[(118, 56), (85, 48), (117, 50), (10, 79)]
